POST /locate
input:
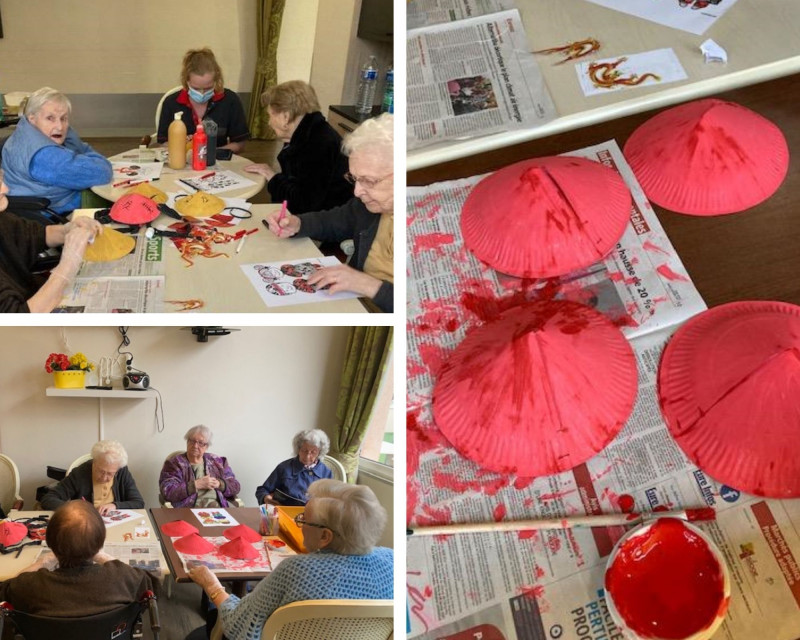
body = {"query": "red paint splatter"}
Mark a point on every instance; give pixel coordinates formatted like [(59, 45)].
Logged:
[(554, 543), (433, 357), (449, 481), (669, 274), (414, 369), (433, 516), (527, 503), (626, 503), (528, 534), (417, 599), (499, 512), (420, 438), (533, 591), (649, 246), (432, 242), (523, 483), (539, 573)]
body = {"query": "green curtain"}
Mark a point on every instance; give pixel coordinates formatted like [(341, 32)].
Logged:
[(368, 350), (270, 14)]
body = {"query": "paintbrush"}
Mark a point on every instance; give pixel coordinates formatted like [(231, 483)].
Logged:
[(601, 520)]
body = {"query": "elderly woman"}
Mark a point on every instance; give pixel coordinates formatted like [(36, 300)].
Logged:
[(312, 163), (204, 96), (288, 483), (368, 218), (341, 525), (21, 242), (103, 481), (45, 157), (86, 580), (198, 478)]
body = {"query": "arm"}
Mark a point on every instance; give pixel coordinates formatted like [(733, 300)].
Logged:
[(333, 225), (73, 487), (173, 483), (250, 612), (237, 131), (126, 492), (225, 473), (385, 297), (64, 168), (268, 487)]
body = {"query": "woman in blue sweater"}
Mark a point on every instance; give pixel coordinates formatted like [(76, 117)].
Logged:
[(45, 157), (341, 524)]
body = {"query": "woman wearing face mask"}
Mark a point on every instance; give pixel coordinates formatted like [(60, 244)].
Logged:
[(205, 96)]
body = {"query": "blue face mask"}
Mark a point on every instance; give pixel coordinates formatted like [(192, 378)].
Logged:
[(200, 97)]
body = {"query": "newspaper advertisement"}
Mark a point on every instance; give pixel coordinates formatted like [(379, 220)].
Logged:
[(472, 77), (143, 294), (424, 13)]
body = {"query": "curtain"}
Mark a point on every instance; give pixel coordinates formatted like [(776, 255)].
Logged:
[(270, 14), (368, 350)]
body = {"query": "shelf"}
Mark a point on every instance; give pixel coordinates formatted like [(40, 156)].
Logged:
[(101, 393)]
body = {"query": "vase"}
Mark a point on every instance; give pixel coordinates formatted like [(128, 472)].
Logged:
[(69, 379)]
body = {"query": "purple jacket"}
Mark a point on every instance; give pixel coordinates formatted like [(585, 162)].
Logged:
[(177, 474)]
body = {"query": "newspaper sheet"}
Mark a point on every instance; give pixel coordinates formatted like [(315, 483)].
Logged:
[(472, 77), (140, 554), (549, 584), (146, 259), (424, 13), (143, 294)]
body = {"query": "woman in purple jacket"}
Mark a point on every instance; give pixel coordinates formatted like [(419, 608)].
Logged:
[(197, 478)]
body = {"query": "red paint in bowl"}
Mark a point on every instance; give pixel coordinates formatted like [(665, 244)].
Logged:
[(667, 581)]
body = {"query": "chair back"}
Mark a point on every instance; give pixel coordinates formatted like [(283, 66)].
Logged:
[(78, 462), (9, 484), (160, 104), (331, 620), (336, 467)]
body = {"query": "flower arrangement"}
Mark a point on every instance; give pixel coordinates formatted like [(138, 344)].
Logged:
[(61, 362)]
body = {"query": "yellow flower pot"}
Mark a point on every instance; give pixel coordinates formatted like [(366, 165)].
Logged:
[(69, 379)]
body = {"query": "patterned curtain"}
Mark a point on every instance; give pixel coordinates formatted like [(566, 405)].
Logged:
[(368, 350), (270, 14)]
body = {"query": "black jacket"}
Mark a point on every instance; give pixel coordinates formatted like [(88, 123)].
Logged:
[(78, 484), (20, 243)]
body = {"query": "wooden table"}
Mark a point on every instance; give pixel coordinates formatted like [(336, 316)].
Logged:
[(168, 182), (762, 40), (10, 565)]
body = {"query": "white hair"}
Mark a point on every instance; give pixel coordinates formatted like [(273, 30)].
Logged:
[(375, 135), (203, 430), (112, 451), (351, 511), (315, 437), (42, 96)]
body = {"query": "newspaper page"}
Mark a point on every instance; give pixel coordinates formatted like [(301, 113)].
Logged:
[(146, 259), (424, 13), (472, 77), (145, 556), (144, 294)]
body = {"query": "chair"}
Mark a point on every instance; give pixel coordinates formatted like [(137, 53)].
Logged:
[(9, 485), (79, 461), (327, 620), (336, 467), (146, 140), (122, 623)]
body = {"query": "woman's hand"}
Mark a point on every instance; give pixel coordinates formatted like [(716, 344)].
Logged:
[(203, 576), (344, 278), (206, 482), (289, 226), (104, 509), (86, 223), (268, 499), (262, 169)]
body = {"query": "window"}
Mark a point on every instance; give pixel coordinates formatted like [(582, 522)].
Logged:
[(378, 445)]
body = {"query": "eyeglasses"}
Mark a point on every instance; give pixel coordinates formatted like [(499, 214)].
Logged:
[(198, 443), (300, 521), (367, 183)]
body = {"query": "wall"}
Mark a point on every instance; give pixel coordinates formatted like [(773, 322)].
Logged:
[(254, 388)]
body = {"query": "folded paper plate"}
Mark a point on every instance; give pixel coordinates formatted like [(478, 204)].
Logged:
[(12, 533), (546, 217), (193, 544), (178, 529), (244, 532), (199, 205), (109, 245), (134, 208), (708, 157), (240, 549), (538, 390), (728, 385), (289, 529), (149, 191)]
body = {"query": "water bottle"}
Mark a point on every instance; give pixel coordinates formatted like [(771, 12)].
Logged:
[(210, 128), (199, 149), (388, 92), (367, 86)]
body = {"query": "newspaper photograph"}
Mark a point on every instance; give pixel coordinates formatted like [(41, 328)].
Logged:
[(424, 13), (472, 77), (143, 294)]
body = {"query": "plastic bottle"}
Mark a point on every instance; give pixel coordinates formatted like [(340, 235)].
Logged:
[(367, 86), (199, 149), (176, 142), (388, 92), (210, 127)]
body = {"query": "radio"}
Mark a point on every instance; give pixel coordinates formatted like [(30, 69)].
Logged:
[(138, 381)]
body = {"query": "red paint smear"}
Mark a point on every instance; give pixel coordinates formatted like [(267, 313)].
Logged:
[(533, 591), (432, 242), (527, 503), (411, 501), (705, 513), (528, 534), (554, 543), (436, 316), (432, 516), (433, 357), (428, 200), (499, 512), (539, 573), (414, 369), (449, 481), (666, 582), (523, 483), (419, 439), (649, 246), (418, 604), (669, 274), (626, 503)]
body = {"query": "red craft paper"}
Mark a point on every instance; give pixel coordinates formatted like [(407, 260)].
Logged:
[(546, 217), (12, 533), (728, 385), (242, 531), (708, 157), (178, 528), (537, 391), (134, 208), (239, 548), (193, 544)]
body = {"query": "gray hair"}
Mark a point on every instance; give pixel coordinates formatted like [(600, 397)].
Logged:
[(315, 437), (112, 451), (375, 135), (352, 511), (44, 95), (201, 429)]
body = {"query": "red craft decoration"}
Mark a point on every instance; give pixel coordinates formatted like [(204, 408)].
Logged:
[(193, 544), (240, 549), (134, 208), (244, 532), (12, 533), (177, 529)]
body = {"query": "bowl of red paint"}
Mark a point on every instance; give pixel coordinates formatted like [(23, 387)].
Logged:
[(667, 580)]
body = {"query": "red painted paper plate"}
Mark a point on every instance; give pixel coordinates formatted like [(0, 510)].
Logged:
[(239, 548), (537, 391), (546, 217), (177, 529), (242, 531), (708, 157), (134, 208), (193, 544), (729, 389)]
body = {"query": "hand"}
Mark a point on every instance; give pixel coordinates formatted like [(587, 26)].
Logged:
[(206, 482), (203, 576), (263, 169), (268, 499), (85, 222), (344, 278), (290, 224), (75, 244), (104, 509)]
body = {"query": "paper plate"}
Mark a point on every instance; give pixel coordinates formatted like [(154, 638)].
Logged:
[(537, 391), (108, 246), (199, 205), (239, 548), (708, 157), (149, 191), (193, 544), (12, 533), (729, 385), (177, 529), (546, 217), (134, 208), (242, 531)]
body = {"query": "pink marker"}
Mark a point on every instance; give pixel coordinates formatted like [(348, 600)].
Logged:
[(281, 216)]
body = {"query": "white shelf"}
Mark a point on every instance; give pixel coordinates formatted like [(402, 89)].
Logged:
[(101, 393)]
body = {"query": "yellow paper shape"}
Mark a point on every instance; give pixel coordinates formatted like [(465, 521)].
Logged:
[(199, 205), (109, 245), (149, 191)]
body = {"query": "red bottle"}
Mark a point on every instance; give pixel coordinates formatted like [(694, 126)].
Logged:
[(199, 148)]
